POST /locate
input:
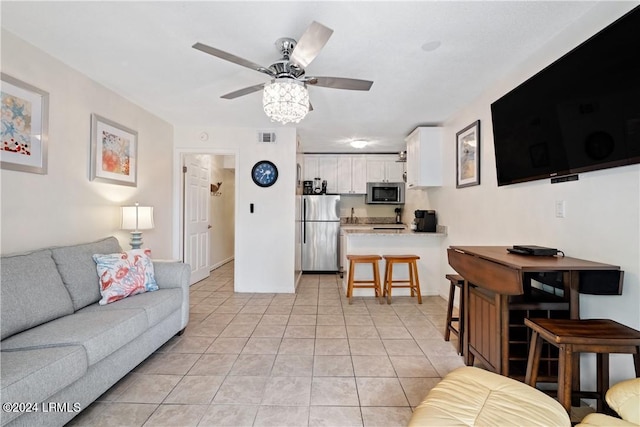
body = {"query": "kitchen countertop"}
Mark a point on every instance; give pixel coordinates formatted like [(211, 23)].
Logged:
[(371, 226), (386, 232)]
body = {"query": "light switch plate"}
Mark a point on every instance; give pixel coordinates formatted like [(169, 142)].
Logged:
[(561, 208)]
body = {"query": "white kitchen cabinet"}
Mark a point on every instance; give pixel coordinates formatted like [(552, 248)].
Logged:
[(394, 170), (310, 168), (424, 157), (324, 167), (384, 169), (352, 177)]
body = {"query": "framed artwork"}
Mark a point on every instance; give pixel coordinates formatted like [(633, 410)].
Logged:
[(468, 156), (114, 149), (25, 126)]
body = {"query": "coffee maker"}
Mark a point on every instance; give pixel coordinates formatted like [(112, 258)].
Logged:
[(426, 221), (307, 187)]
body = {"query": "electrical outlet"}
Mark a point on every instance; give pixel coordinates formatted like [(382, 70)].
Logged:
[(561, 209)]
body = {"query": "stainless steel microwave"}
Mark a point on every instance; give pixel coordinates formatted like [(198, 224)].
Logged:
[(385, 193)]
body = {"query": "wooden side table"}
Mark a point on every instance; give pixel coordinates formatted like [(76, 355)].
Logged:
[(574, 336)]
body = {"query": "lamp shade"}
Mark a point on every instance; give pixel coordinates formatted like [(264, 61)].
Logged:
[(137, 217)]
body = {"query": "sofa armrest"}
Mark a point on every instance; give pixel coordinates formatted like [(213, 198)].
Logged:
[(624, 398), (171, 274)]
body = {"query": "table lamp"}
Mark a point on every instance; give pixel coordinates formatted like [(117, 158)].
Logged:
[(137, 218)]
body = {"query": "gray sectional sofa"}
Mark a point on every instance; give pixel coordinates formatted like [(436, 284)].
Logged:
[(60, 350)]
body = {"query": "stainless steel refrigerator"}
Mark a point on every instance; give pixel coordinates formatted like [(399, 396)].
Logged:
[(320, 232)]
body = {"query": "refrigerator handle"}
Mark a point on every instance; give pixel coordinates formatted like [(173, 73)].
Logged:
[(304, 221)]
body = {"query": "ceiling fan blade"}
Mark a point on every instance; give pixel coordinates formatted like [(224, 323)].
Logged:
[(340, 83), (242, 92), (311, 42), (231, 58)]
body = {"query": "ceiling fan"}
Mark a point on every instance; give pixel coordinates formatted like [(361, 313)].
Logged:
[(289, 71)]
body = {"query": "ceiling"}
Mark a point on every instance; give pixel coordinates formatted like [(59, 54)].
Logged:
[(427, 58)]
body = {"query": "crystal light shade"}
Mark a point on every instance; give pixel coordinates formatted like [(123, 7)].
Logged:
[(285, 100)]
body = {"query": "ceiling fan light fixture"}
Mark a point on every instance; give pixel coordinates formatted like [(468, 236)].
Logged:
[(285, 100)]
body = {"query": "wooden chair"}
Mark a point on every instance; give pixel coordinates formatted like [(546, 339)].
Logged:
[(352, 283), (456, 281), (573, 336), (413, 283)]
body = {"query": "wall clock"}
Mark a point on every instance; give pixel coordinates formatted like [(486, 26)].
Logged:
[(264, 173)]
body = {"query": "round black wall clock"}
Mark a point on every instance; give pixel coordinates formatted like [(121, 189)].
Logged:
[(264, 173)]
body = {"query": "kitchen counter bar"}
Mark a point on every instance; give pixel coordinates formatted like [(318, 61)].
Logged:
[(395, 242)]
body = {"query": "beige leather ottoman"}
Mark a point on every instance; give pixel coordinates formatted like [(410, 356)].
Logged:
[(471, 396)]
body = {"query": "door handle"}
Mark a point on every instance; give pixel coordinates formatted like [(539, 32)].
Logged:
[(304, 221), (209, 227)]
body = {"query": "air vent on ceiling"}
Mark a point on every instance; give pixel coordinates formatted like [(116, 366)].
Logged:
[(267, 137)]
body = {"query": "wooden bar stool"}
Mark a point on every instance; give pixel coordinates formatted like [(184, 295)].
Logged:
[(456, 282), (574, 336), (413, 283), (375, 283)]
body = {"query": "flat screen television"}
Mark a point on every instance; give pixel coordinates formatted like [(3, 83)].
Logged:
[(579, 114)]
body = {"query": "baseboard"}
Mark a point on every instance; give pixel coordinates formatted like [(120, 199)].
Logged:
[(220, 264)]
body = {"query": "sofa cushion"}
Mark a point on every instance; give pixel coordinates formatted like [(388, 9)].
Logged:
[(157, 305), (124, 273), (78, 270), (602, 420), (35, 375), (32, 292), (100, 332)]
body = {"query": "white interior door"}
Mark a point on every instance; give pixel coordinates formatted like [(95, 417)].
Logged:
[(197, 222)]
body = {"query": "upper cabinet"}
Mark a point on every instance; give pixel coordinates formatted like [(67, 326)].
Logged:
[(349, 173), (352, 174), (424, 157), (384, 169), (324, 167)]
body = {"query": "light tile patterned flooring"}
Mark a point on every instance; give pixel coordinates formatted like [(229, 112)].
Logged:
[(308, 359)]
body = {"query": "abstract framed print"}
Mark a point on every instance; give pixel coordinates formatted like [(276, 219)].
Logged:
[(468, 156), (114, 149), (25, 126)]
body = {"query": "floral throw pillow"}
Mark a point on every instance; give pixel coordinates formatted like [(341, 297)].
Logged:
[(123, 274)]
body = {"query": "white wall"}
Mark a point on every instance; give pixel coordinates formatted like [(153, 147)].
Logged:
[(222, 212), (603, 207), (64, 206), (264, 243)]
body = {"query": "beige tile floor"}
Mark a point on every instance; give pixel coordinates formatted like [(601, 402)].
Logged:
[(308, 359)]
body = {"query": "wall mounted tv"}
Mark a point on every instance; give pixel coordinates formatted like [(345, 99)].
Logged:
[(579, 114)]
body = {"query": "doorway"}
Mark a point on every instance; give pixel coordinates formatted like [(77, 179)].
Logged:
[(207, 214)]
